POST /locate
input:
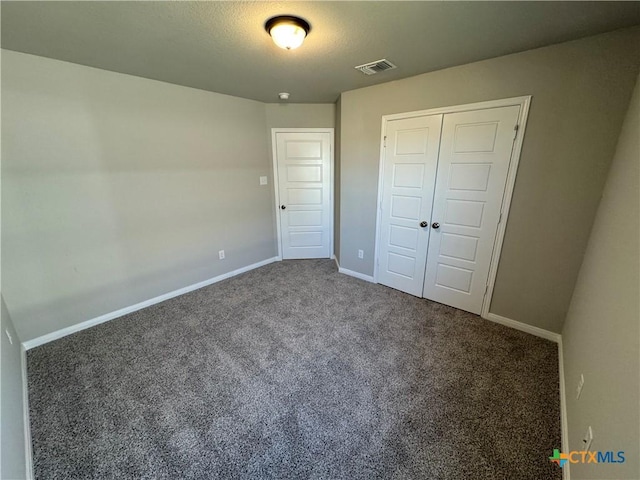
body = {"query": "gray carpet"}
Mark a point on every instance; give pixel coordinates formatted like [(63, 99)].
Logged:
[(295, 371)]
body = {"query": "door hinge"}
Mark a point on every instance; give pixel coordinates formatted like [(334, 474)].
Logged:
[(500, 219), (515, 129), (385, 142)]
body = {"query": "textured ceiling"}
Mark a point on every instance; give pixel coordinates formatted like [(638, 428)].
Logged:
[(222, 46)]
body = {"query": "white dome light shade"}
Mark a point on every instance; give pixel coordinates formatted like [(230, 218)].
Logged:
[(287, 35), (287, 32)]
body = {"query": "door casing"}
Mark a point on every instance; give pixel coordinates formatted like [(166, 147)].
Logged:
[(274, 156), (524, 102)]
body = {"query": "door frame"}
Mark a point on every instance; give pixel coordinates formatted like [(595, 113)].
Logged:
[(524, 103), (274, 160)]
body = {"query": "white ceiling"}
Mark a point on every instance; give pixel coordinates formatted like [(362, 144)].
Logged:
[(223, 47)]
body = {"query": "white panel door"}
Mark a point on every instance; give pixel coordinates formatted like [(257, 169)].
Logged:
[(410, 162), (475, 152), (304, 189)]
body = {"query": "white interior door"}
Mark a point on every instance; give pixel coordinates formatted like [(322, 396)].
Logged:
[(410, 163), (304, 192), (475, 153)]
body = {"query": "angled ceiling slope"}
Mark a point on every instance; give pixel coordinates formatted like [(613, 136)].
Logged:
[(223, 47)]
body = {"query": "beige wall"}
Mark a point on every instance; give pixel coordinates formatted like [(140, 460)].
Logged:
[(13, 460), (117, 189), (300, 115), (601, 336), (580, 92)]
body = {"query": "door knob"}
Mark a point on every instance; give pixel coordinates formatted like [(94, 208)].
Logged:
[(435, 225), (424, 224), (283, 207)]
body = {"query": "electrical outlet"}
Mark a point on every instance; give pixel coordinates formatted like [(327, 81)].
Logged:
[(588, 438), (263, 180), (580, 385), (360, 254), (221, 254), (9, 336)]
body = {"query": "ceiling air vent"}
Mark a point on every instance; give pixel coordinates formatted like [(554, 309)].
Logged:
[(375, 67)]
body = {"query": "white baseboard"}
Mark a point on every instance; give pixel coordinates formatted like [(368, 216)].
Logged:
[(564, 422), (351, 273), (49, 337), (524, 327), (28, 453)]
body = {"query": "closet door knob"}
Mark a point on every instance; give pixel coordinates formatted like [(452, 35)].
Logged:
[(283, 207), (424, 224), (435, 225)]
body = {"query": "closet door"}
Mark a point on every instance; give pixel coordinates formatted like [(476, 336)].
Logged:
[(408, 177), (475, 152)]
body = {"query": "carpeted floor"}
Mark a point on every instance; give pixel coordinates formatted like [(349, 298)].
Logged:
[(295, 371)]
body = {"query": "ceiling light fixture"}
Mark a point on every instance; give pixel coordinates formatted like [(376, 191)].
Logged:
[(287, 32)]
